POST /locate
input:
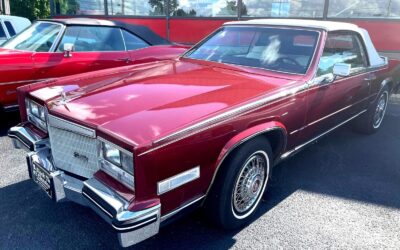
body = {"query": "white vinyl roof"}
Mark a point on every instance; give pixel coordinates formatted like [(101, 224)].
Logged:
[(326, 25), (374, 58)]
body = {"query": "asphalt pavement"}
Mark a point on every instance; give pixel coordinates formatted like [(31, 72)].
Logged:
[(341, 193)]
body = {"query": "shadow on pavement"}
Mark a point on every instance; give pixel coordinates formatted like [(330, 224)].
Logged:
[(344, 164), (7, 120)]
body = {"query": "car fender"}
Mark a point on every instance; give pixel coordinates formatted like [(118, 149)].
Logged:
[(244, 136)]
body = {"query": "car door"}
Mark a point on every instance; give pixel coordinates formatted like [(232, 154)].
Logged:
[(95, 48), (331, 103)]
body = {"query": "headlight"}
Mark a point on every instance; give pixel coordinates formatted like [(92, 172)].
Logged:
[(37, 114), (117, 162)]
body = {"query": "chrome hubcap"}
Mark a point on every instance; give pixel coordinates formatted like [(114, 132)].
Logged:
[(250, 183), (380, 110)]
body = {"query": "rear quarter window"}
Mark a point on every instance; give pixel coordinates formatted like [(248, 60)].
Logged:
[(2, 33), (10, 28), (132, 42)]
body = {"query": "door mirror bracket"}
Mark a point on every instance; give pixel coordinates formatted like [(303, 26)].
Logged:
[(68, 49)]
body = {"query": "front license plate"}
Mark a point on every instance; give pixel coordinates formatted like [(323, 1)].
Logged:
[(43, 179)]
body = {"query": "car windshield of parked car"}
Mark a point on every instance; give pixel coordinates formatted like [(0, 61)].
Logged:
[(276, 49), (38, 37)]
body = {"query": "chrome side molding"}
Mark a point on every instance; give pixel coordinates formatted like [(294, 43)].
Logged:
[(296, 149)]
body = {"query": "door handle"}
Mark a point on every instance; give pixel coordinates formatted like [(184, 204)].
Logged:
[(127, 60)]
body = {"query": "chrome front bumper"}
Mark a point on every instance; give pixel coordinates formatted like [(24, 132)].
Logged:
[(131, 226)]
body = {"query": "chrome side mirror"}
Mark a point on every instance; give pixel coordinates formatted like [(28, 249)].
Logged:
[(68, 48), (342, 69)]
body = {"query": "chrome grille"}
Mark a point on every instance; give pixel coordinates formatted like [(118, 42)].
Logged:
[(72, 151)]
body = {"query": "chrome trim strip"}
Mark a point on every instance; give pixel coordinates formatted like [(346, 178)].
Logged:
[(70, 126), (58, 39), (97, 204), (332, 114), (123, 39), (327, 116), (316, 85), (288, 153), (10, 108), (151, 220), (240, 143), (25, 81), (170, 214), (152, 214), (178, 180)]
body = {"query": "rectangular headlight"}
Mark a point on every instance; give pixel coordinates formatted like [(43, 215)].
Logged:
[(117, 162), (37, 114)]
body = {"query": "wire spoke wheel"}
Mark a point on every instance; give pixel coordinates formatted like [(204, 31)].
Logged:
[(250, 184), (380, 110)]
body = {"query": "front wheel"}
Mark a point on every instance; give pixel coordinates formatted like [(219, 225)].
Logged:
[(371, 121), (240, 184)]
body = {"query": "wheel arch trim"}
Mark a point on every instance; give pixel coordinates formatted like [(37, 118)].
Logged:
[(245, 136), (390, 82)]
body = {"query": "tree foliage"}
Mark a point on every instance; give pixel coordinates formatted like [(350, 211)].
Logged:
[(31, 9)]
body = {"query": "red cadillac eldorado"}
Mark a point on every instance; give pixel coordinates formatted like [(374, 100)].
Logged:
[(62, 47), (142, 144)]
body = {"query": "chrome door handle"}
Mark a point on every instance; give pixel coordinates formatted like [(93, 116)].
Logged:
[(127, 60)]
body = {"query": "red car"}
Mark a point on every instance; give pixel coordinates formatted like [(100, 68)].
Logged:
[(142, 144), (56, 48)]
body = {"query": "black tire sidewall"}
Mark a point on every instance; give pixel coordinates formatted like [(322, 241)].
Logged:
[(365, 123), (371, 111), (227, 178)]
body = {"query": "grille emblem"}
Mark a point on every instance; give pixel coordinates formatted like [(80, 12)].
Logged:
[(81, 157)]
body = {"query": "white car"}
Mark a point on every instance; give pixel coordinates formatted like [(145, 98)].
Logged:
[(11, 25)]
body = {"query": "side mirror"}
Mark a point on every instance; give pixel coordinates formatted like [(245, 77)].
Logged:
[(68, 48), (342, 69)]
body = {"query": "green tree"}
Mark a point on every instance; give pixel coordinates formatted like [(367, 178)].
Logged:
[(231, 9), (66, 7), (31, 9), (174, 10)]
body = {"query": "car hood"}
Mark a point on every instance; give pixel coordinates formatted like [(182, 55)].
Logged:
[(143, 103)]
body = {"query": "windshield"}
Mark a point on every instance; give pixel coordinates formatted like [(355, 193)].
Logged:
[(277, 49), (38, 37)]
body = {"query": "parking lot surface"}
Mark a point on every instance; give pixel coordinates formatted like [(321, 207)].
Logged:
[(343, 192)]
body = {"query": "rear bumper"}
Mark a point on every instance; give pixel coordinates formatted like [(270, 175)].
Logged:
[(131, 226)]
